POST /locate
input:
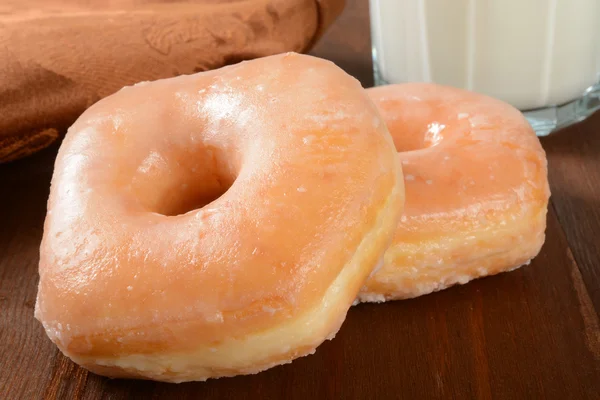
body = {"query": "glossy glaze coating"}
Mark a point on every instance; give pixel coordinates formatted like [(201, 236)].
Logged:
[(139, 277), (476, 189)]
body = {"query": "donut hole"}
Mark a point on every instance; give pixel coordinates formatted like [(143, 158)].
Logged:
[(183, 181), (192, 196), (417, 137), (414, 129)]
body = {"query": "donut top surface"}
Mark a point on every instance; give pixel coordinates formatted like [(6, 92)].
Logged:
[(225, 201), (469, 161)]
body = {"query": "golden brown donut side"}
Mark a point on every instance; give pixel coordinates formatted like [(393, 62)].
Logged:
[(136, 280), (58, 57), (476, 190)]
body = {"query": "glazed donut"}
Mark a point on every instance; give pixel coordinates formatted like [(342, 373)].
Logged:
[(216, 224), (476, 190)]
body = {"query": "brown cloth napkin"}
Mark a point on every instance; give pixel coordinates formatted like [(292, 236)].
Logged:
[(58, 57)]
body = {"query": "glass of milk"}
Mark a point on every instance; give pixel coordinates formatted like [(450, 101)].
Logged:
[(541, 56)]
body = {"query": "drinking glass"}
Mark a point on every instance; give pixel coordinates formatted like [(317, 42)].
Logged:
[(541, 56)]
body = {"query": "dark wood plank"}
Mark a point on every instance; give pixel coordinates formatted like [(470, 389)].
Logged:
[(574, 173), (26, 361), (348, 42), (531, 333)]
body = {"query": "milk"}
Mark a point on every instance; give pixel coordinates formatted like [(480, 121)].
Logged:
[(529, 53)]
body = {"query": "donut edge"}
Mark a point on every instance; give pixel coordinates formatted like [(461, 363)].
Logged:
[(243, 357)]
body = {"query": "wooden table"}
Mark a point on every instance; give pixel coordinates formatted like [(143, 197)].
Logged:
[(529, 334)]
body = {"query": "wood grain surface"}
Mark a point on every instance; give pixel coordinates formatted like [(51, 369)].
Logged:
[(529, 334)]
